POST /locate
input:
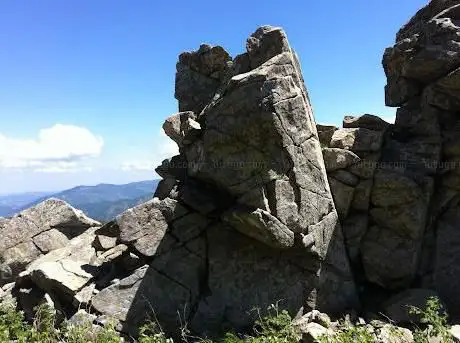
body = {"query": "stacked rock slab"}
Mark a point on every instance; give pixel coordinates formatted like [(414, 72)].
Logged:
[(37, 231), (244, 216), (401, 220), (422, 215), (351, 155), (433, 113)]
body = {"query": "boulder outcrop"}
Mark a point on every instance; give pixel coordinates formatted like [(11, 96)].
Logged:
[(37, 231), (263, 206), (399, 219), (244, 216)]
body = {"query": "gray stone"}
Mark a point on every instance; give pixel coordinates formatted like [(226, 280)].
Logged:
[(325, 133), (262, 226), (389, 260), (198, 76), (366, 121), (357, 140), (181, 128), (362, 195), (249, 218), (312, 332), (52, 213), (103, 242), (50, 240), (393, 334), (343, 196), (345, 177), (365, 168), (145, 225), (335, 158), (354, 229)]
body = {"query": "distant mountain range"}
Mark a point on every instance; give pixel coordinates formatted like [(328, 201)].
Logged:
[(10, 204), (102, 202)]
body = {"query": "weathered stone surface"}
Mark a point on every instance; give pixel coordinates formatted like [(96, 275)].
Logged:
[(325, 133), (428, 51), (335, 158), (103, 242), (173, 168), (345, 177), (312, 332), (365, 168), (446, 267), (362, 195), (145, 225), (198, 76), (50, 240), (39, 229), (357, 140), (52, 213), (394, 334), (251, 183), (64, 272), (262, 226), (389, 260), (343, 196), (366, 121), (65, 275), (354, 229), (182, 128)]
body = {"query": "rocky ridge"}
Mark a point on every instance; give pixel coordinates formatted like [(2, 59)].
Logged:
[(263, 205)]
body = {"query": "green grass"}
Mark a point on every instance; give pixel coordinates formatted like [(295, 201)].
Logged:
[(434, 320), (275, 326)]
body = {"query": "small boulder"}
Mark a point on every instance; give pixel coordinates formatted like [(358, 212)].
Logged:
[(393, 334), (357, 140), (366, 121), (325, 133), (335, 158)]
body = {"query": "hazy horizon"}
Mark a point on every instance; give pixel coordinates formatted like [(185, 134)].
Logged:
[(86, 86)]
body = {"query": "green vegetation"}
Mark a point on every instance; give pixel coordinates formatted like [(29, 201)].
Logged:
[(274, 327), (435, 322), (14, 328), (433, 318), (350, 334)]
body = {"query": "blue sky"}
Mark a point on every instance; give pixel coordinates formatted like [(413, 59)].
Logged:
[(85, 85)]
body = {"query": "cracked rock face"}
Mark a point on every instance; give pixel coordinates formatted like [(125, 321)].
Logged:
[(401, 220), (244, 216), (37, 231)]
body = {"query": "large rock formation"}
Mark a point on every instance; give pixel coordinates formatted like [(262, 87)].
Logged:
[(422, 69), (400, 219), (244, 216), (263, 206)]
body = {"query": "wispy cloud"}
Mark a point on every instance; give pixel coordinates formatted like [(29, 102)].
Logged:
[(163, 149), (390, 119), (59, 148)]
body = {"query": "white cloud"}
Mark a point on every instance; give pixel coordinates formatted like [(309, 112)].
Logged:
[(164, 147), (60, 148), (137, 165), (390, 119)]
